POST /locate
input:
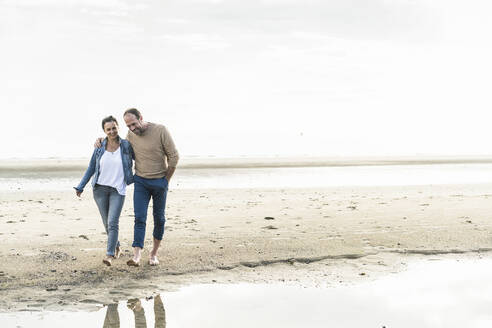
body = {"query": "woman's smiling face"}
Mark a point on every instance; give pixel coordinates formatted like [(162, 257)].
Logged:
[(111, 129)]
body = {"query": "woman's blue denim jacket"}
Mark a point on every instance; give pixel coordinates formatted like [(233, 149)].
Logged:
[(127, 157)]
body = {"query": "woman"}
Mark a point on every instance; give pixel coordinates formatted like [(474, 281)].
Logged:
[(111, 166)]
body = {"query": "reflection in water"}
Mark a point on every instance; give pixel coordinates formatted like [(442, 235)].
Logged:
[(138, 312), (112, 319), (159, 312), (430, 294)]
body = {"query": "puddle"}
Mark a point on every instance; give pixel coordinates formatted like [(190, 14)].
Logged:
[(444, 293)]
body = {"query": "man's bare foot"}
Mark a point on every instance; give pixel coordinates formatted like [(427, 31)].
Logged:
[(108, 260), (153, 261), (133, 262), (137, 255), (117, 253)]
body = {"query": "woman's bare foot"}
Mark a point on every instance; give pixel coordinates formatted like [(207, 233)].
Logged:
[(108, 260)]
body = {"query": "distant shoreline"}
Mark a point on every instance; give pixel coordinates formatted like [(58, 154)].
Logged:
[(70, 165)]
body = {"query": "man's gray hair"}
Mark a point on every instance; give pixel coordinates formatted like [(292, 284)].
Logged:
[(133, 111)]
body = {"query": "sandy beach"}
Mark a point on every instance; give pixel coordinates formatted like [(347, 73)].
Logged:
[(53, 242)]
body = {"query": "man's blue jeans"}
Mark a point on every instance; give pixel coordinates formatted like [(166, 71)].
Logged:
[(110, 203), (144, 190)]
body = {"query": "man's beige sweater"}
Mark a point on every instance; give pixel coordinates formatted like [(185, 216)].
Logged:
[(154, 151)]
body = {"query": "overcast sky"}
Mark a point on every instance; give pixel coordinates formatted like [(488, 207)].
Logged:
[(256, 77)]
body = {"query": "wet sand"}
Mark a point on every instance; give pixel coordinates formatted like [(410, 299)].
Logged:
[(54, 242)]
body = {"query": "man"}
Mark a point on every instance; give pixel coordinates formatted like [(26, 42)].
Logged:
[(156, 158)]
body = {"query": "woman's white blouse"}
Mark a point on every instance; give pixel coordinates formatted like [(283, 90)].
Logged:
[(111, 171)]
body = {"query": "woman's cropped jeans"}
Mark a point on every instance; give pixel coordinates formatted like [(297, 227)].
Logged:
[(110, 203)]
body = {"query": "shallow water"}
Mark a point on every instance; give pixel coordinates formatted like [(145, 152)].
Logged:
[(294, 177), (444, 293)]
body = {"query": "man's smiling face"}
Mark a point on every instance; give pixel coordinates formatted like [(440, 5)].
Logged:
[(134, 124)]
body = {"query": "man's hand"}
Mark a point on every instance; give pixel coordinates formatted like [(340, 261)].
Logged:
[(98, 142), (169, 173)]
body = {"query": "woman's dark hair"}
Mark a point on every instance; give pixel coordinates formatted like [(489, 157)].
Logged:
[(133, 111), (110, 118)]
